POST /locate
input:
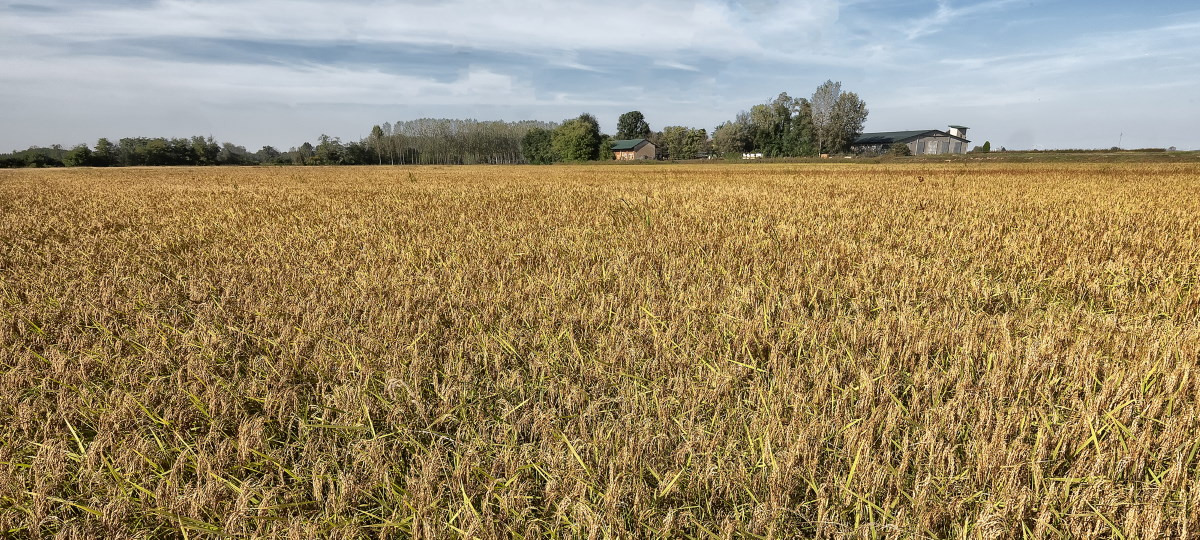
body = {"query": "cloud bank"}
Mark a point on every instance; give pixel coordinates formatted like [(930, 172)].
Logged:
[(275, 72)]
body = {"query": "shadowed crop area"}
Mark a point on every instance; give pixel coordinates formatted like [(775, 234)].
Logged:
[(725, 351)]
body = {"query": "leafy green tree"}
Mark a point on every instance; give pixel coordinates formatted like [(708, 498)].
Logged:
[(801, 136), (837, 117), (733, 137), (536, 146), (899, 149), (577, 139), (328, 151), (267, 154), (359, 153), (156, 152), (672, 140), (304, 154), (180, 152), (105, 154), (681, 142), (375, 142), (606, 147), (824, 99), (206, 150), (232, 154), (34, 157), (632, 125), (80, 156), (850, 113), (697, 143)]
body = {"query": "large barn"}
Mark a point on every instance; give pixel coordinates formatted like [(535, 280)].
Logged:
[(633, 149), (925, 141)]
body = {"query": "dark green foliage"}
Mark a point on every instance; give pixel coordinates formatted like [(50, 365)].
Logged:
[(303, 155), (105, 154), (374, 143), (679, 142), (782, 127), (733, 138), (359, 153), (837, 117), (606, 147), (268, 154), (577, 139), (329, 151), (899, 149), (632, 125), (205, 151), (80, 156), (234, 155), (536, 146), (33, 157)]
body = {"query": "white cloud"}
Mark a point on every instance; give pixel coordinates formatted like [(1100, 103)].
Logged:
[(226, 83), (665, 26), (946, 14), (679, 61)]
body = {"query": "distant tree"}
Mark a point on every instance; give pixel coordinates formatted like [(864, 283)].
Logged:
[(697, 143), (375, 142), (206, 150), (606, 145), (733, 137), (304, 154), (105, 154), (80, 156), (849, 115), (358, 153), (156, 152), (536, 146), (232, 154), (328, 151), (767, 128), (679, 142), (577, 139), (837, 117), (34, 157), (632, 125), (824, 99), (671, 142), (801, 135), (267, 154), (987, 146)]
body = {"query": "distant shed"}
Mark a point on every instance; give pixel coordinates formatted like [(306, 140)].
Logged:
[(924, 141), (633, 149)]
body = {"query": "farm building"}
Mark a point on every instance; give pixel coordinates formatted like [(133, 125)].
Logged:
[(632, 149), (925, 141)]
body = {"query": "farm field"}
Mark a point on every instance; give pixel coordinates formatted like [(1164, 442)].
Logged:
[(932, 350)]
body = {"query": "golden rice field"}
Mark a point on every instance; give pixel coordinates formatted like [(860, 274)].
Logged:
[(701, 351)]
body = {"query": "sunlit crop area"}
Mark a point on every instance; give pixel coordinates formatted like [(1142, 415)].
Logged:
[(878, 350)]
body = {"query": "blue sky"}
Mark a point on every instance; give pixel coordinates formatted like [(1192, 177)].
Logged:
[(1020, 73)]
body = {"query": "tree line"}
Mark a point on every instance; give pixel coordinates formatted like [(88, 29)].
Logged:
[(783, 127)]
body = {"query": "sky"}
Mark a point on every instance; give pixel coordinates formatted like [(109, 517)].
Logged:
[(1021, 74)]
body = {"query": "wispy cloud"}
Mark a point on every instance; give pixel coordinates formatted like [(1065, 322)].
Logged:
[(694, 62), (669, 25)]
